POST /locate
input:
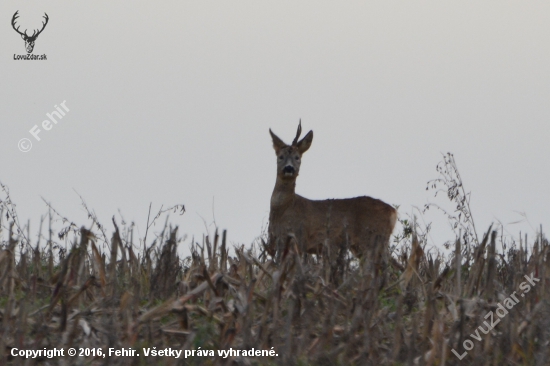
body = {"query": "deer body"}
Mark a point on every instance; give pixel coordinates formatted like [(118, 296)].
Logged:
[(358, 223)]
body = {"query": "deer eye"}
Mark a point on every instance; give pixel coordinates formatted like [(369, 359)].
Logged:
[(281, 157), (297, 158)]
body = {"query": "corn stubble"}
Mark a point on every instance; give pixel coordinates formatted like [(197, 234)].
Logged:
[(326, 310)]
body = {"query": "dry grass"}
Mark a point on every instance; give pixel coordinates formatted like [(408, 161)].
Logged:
[(330, 310)]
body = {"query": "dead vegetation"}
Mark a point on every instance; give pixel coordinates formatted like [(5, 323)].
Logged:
[(329, 310)]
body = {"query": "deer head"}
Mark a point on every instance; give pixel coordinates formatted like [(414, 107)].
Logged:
[(289, 156), (29, 40)]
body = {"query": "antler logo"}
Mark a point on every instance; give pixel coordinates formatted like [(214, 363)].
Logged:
[(29, 40)]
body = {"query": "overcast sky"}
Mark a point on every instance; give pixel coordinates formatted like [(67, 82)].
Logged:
[(170, 102)]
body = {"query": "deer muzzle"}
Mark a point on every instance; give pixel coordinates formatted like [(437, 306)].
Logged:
[(289, 170)]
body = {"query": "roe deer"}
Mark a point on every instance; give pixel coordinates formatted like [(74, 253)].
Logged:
[(358, 223)]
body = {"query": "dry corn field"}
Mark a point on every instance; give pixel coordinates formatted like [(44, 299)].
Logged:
[(85, 288)]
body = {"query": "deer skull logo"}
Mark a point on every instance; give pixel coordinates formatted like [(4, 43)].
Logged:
[(29, 40)]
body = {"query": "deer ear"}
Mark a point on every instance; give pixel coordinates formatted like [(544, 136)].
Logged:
[(305, 143), (23, 36), (278, 144)]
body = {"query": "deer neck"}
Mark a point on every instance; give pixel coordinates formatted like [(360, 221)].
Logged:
[(283, 194)]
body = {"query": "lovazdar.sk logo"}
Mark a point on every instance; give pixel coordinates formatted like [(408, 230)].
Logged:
[(29, 39)]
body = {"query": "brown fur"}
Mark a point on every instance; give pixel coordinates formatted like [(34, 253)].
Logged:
[(358, 222)]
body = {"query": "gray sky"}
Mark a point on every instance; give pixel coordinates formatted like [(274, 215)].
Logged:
[(170, 102)]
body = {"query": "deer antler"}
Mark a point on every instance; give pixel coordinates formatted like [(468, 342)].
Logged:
[(295, 142), (15, 16), (43, 26), (35, 33)]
